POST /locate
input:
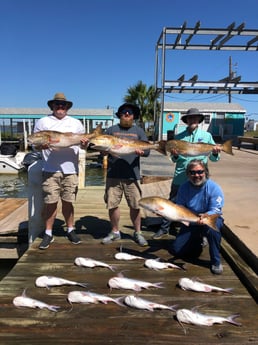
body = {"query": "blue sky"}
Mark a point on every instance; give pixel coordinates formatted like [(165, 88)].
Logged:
[(93, 50)]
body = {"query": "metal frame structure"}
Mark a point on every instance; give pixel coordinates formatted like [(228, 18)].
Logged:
[(212, 39)]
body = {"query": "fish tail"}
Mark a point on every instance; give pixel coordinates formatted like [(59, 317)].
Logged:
[(120, 301), (210, 220), (231, 319), (53, 308), (173, 307), (229, 290), (159, 285), (112, 268), (162, 147), (83, 285), (227, 147)]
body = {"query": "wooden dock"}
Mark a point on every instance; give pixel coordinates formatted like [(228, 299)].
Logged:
[(113, 324)]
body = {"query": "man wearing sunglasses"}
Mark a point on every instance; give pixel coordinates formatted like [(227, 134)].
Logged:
[(60, 169), (202, 196), (123, 175), (192, 134)]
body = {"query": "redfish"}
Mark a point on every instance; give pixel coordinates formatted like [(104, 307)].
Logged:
[(178, 213), (118, 147), (54, 139), (184, 148)]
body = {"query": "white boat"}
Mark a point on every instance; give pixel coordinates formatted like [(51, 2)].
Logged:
[(10, 164)]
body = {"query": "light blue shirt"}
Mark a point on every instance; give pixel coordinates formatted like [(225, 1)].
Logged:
[(197, 136)]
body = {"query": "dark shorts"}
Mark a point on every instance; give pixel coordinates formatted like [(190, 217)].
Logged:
[(58, 185), (115, 188)]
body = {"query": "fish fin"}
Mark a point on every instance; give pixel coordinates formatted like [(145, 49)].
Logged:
[(231, 319), (162, 147), (121, 248), (210, 220), (227, 147), (207, 288), (24, 293), (137, 288)]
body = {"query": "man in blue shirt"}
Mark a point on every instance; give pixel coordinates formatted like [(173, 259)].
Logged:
[(192, 134), (202, 196)]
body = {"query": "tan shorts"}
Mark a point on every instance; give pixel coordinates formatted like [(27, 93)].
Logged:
[(115, 188), (58, 185)]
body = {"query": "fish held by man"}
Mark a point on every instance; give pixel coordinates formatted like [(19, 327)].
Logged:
[(195, 285), (54, 139), (119, 146), (178, 213), (24, 301), (184, 148), (141, 303), (91, 263), (50, 281)]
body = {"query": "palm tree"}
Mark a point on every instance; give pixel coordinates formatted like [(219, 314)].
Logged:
[(145, 97)]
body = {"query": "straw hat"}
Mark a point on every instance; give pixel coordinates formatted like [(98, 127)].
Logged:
[(192, 112), (59, 97)]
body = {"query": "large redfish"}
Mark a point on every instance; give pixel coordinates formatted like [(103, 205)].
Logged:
[(119, 146), (54, 139), (184, 148), (178, 213)]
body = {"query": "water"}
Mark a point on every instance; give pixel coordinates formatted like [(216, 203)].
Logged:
[(16, 186)]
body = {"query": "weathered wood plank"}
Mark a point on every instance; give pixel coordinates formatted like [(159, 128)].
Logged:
[(99, 323)]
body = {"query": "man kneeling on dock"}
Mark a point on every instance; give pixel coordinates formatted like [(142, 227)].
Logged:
[(202, 196)]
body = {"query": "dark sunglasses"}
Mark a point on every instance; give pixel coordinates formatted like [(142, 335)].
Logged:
[(60, 103), (126, 111), (196, 172)]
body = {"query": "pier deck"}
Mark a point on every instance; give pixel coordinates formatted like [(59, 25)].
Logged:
[(113, 324)]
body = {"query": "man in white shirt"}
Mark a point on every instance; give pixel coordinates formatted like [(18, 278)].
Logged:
[(60, 169)]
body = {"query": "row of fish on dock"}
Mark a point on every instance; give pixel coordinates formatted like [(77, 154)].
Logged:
[(188, 316), (119, 146)]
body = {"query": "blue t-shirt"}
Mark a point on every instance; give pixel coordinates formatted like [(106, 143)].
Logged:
[(208, 198)]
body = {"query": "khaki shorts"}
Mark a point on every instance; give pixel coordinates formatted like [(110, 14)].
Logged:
[(115, 188), (58, 185)]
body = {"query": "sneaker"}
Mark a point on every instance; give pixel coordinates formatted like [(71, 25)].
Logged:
[(46, 241), (217, 269), (112, 236), (159, 234), (138, 237), (72, 237)]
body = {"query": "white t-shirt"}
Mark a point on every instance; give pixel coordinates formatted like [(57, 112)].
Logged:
[(65, 159)]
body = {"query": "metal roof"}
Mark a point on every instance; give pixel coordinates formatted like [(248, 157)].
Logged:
[(45, 111), (204, 107)]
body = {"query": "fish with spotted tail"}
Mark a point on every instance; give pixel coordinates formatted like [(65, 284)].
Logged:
[(119, 147), (57, 140), (185, 148), (178, 213)]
